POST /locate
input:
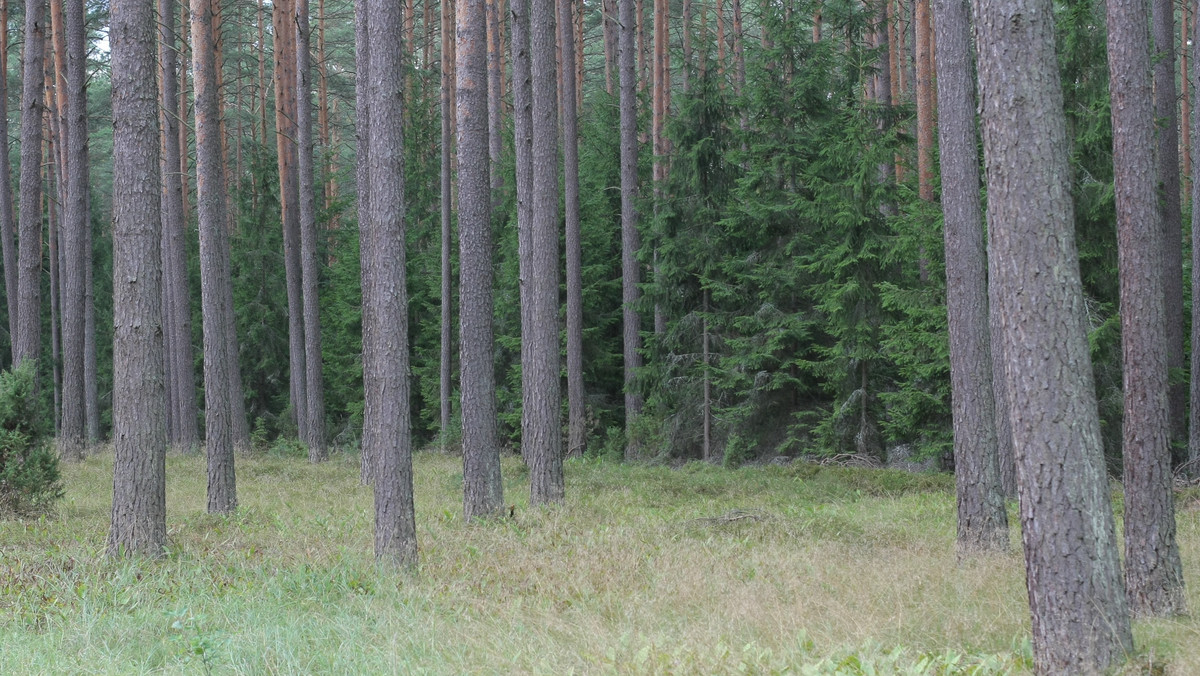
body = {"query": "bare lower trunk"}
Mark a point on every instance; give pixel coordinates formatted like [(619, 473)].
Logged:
[(1076, 596), (447, 299), (576, 407), (630, 240), (483, 491), (386, 423), (1153, 575), (139, 412), (27, 343), (8, 243)]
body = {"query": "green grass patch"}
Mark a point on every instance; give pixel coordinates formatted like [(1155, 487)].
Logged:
[(645, 570)]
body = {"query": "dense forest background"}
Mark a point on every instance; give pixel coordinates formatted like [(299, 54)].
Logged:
[(793, 295)]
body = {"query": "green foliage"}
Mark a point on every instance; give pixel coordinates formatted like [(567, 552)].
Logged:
[(29, 476)]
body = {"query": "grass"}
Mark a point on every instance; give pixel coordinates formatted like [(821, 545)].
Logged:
[(797, 569)]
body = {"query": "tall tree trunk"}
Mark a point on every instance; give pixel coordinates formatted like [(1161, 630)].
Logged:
[(541, 429), (326, 151), (982, 520), (1185, 98), (8, 243), (446, 386), (181, 377), (74, 235), (214, 267), (1194, 121), (386, 422), (53, 182), (139, 511), (685, 69), (262, 71), (495, 99), (289, 195), (1153, 575), (576, 403), (608, 10), (925, 103), (1076, 596), (523, 147), (739, 56), (314, 428), (28, 341), (1170, 209), (362, 177), (630, 240), (483, 491)]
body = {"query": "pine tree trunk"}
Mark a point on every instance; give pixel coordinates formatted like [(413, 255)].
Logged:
[(1153, 575), (27, 341), (630, 241), (8, 242), (181, 378), (289, 196), (1185, 99), (53, 226), (314, 428), (362, 177), (982, 520), (1165, 100), (608, 10), (139, 523), (523, 150), (685, 69), (541, 429), (1076, 596), (214, 267), (446, 386), (483, 491), (576, 403), (386, 423), (1194, 121), (495, 99)]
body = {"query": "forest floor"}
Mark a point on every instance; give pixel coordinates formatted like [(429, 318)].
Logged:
[(697, 570)]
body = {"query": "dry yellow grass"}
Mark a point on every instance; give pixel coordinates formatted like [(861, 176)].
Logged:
[(645, 570)]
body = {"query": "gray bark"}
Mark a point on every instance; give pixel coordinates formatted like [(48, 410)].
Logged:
[(386, 423), (362, 99), (1165, 101), (495, 98), (982, 521), (541, 398), (214, 267), (74, 236), (1076, 595), (483, 491), (139, 411), (523, 151), (576, 410), (445, 385), (1153, 576), (310, 270), (27, 341), (1194, 407), (8, 243), (177, 315), (630, 240)]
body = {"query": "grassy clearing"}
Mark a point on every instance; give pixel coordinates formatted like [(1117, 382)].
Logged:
[(797, 569)]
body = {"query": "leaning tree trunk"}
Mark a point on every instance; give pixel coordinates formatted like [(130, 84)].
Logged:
[(1076, 596), (386, 422), (214, 267), (982, 520), (314, 427), (541, 430), (27, 343), (630, 272), (139, 510), (1153, 575), (483, 491)]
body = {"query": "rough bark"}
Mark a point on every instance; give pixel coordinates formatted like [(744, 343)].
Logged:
[(541, 430), (630, 241), (982, 521), (495, 48), (576, 404), (1194, 409), (283, 16), (181, 376), (1153, 576), (445, 385), (362, 177), (139, 508), (1076, 596), (608, 9), (8, 242), (1170, 209), (483, 491), (214, 267), (27, 341), (386, 423), (310, 270)]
